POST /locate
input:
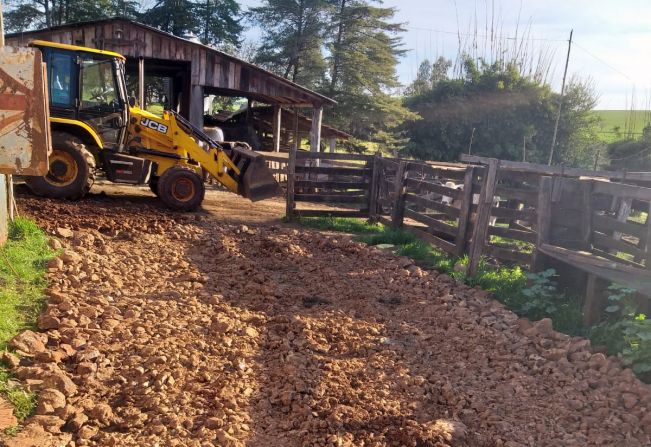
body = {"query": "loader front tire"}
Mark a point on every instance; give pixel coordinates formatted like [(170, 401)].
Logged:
[(181, 189), (71, 173)]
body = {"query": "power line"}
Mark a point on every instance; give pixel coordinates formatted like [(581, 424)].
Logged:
[(483, 36), (603, 62)]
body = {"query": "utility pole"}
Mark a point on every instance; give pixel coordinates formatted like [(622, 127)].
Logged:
[(560, 101)]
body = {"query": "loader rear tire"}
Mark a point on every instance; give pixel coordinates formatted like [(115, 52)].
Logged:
[(181, 189), (71, 171)]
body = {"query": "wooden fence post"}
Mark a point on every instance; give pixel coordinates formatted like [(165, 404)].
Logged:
[(586, 216), (374, 190), (544, 220), (483, 216), (647, 248), (291, 172), (398, 215), (465, 212)]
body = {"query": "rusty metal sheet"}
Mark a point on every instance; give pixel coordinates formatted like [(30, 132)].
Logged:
[(24, 121)]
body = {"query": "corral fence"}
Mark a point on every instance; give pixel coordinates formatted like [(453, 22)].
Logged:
[(596, 222)]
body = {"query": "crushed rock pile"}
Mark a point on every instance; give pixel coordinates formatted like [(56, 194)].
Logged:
[(179, 330)]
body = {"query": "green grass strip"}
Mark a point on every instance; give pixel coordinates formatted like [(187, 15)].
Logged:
[(23, 264)]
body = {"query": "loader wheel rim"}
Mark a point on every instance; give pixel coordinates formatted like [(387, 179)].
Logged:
[(183, 190), (63, 169)]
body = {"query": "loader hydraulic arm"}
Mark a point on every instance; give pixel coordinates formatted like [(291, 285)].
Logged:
[(172, 141)]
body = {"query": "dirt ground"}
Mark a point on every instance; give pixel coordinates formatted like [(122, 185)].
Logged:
[(227, 328)]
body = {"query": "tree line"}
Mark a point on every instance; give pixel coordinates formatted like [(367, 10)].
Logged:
[(349, 50)]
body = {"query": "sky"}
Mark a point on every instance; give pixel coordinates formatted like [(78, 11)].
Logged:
[(611, 42)]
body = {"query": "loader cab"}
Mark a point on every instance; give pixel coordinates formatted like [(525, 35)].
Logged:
[(87, 86)]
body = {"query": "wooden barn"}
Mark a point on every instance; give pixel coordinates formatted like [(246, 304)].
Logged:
[(188, 71)]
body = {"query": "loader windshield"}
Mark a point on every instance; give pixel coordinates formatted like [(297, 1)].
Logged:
[(98, 85)]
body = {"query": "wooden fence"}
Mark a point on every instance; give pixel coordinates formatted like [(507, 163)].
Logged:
[(512, 212)]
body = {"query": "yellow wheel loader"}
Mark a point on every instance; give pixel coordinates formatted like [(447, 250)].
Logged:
[(96, 127)]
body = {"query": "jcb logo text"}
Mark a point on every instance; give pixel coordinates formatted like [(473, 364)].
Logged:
[(154, 125)]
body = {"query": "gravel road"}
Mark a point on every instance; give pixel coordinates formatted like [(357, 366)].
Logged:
[(186, 330)]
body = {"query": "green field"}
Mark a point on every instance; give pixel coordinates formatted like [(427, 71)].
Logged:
[(623, 120)]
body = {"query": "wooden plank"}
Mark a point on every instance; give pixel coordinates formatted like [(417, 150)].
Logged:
[(291, 173), (483, 217), (560, 170), (647, 247), (606, 224), (433, 187), (356, 193), (332, 156), (433, 224), (443, 172), (505, 254), (621, 190), (582, 259), (543, 221), (511, 214), (603, 240), (330, 213), (529, 197), (399, 196), (465, 211), (333, 171), (278, 158), (525, 236), (331, 198), (374, 190), (430, 204), (444, 245), (331, 184), (612, 257), (586, 214)]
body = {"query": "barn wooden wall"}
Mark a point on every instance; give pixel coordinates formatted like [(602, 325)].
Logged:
[(210, 68)]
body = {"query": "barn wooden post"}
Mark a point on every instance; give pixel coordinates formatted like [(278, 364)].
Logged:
[(398, 215), (141, 82), (465, 212), (196, 106), (276, 126), (315, 132), (484, 209), (291, 171), (332, 143), (544, 221), (373, 188)]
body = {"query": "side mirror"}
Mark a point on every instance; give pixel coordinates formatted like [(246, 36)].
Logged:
[(132, 101)]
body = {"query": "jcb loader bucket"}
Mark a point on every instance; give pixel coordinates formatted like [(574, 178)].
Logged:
[(256, 182)]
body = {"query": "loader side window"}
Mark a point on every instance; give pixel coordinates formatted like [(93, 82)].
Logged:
[(60, 78)]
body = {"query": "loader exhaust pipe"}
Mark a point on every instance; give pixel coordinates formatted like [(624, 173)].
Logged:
[(255, 182)]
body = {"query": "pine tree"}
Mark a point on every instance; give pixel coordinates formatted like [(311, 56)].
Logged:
[(363, 55), (293, 38), (220, 21), (173, 16), (34, 14)]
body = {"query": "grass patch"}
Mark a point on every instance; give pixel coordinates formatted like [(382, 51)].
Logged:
[(23, 261), (345, 225)]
